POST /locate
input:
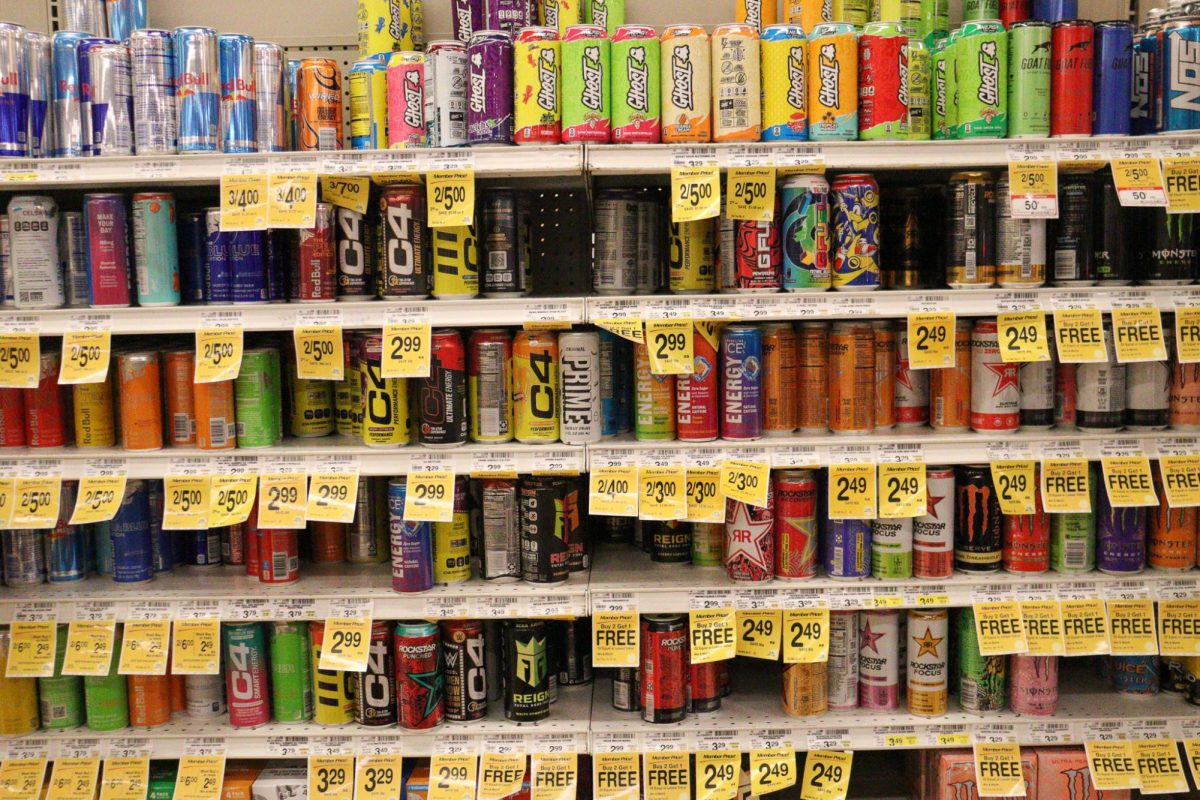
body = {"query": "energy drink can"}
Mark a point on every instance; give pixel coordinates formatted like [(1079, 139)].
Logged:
[(535, 387), (846, 548), (910, 386), (60, 698), (691, 257), (978, 540), (506, 242), (1028, 79), (239, 125), (697, 397), (636, 92), (780, 382), (1178, 107), (749, 540), (446, 93), (806, 233), (537, 61), (354, 238), (757, 14), (686, 98), (333, 692), (247, 676), (981, 59), (1071, 78), (851, 379), (943, 117), (663, 674), (499, 546), (133, 551), (855, 202), (1147, 403), (1026, 547), (490, 88), (1100, 390), (374, 692), (1020, 252), (1033, 685), (193, 255), (110, 96), (736, 83), (442, 396), (784, 68), (47, 418), (833, 82), (406, 100), (750, 256), (669, 541), (411, 544), (654, 400), (489, 385), (1036, 380), (368, 103), (33, 257), (971, 256), (558, 14), (152, 61), (704, 687), (1112, 78), (149, 700), (105, 227), (106, 697), (741, 374), (919, 93), (67, 124), (892, 548), (156, 258), (526, 670), (385, 25), (24, 557), (1136, 675), (883, 81), (1120, 537), (1171, 257), (93, 407), (995, 390), (452, 541), (1145, 90), (795, 524), (197, 89), (843, 660), (465, 670), (708, 543), (928, 672), (278, 556), (402, 260), (579, 371), (981, 679), (586, 102), (72, 256), (319, 89), (879, 660), (366, 539), (454, 262), (608, 14), (933, 532), (271, 132), (885, 372), (545, 546), (138, 385), (291, 672), (258, 399), (1073, 233), (805, 689), (1172, 533), (807, 13), (19, 714), (419, 677)]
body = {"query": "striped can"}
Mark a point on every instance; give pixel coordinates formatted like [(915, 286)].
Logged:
[(795, 525)]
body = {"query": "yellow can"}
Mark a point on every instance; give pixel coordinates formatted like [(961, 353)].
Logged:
[(452, 541), (94, 424), (692, 257), (535, 386), (19, 711), (311, 406), (833, 82), (928, 666), (333, 700), (806, 689), (758, 14), (537, 116), (686, 92), (737, 96), (809, 13), (560, 14), (784, 51), (455, 262), (384, 406), (386, 25), (345, 406), (853, 11)]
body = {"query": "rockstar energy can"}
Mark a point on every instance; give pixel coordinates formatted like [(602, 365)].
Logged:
[(535, 387), (806, 689), (950, 388), (928, 669)]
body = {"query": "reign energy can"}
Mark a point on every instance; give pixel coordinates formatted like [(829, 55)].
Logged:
[(526, 670)]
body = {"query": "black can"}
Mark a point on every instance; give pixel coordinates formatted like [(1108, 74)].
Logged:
[(1113, 249), (526, 671), (402, 263), (466, 671), (705, 687), (670, 540), (192, 236), (575, 647), (1170, 258), (626, 696), (505, 243), (726, 677), (442, 397), (977, 531), (1073, 232), (498, 535), (374, 689), (354, 238), (903, 239), (575, 525), (664, 668), (615, 530), (931, 215), (971, 245), (545, 550)]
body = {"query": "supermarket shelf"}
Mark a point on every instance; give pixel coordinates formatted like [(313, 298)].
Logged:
[(240, 597), (567, 723), (654, 588)]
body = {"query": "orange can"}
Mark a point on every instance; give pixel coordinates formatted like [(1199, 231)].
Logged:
[(140, 400), (686, 93), (809, 13), (1171, 541), (1185, 396), (178, 694), (812, 376), (885, 375), (806, 689), (179, 367), (215, 418), (328, 541), (758, 14), (736, 83), (781, 414), (950, 388), (149, 700), (319, 110), (852, 378), (93, 403)]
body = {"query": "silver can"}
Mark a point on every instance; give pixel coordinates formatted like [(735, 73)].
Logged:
[(1148, 389), (843, 660), (40, 83), (615, 270), (912, 387), (1037, 395), (84, 15), (72, 258), (33, 259), (499, 550), (6, 274), (152, 61), (649, 245), (68, 117), (1020, 245), (366, 536), (579, 374), (446, 94), (1100, 391), (205, 695), (111, 100), (13, 92), (270, 98)]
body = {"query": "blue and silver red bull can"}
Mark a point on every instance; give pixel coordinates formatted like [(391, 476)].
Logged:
[(239, 129), (193, 250), (292, 86), (72, 257), (125, 17), (152, 58), (14, 92), (85, 88), (88, 16), (68, 115), (1179, 80), (412, 544), (132, 539), (741, 382), (66, 545), (155, 249), (368, 103), (1112, 79), (1144, 87), (39, 82), (218, 271), (270, 98), (197, 90), (247, 266), (110, 91), (846, 548)]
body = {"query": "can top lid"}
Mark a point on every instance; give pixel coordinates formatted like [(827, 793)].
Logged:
[(415, 627)]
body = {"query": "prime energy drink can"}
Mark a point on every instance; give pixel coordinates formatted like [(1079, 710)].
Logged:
[(197, 89), (686, 91), (152, 60), (736, 83), (933, 532), (333, 692), (879, 660), (406, 100), (855, 203), (981, 679), (883, 81), (795, 524), (1112, 78), (663, 676), (579, 372), (586, 85), (374, 693), (846, 548), (741, 376), (465, 670), (995, 391), (978, 541), (291, 672), (368, 103), (446, 93), (271, 132), (806, 233), (636, 92), (538, 63), (490, 88), (489, 385), (843, 660), (545, 542), (1020, 252), (1029, 79), (319, 89), (1071, 78), (247, 681), (971, 256), (928, 672), (411, 544), (535, 387), (833, 82), (239, 126), (526, 670)]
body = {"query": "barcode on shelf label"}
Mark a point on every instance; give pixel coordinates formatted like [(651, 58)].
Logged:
[(844, 598), (805, 598), (504, 744), (156, 168), (1127, 590), (287, 746), (205, 746), (245, 610), (293, 609), (710, 599), (79, 748), (550, 605), (757, 599), (996, 733), (352, 608), (993, 593), (145, 610), (795, 457), (717, 740), (900, 453), (1178, 589), (498, 607), (447, 607), (129, 748), (455, 745), (616, 742), (96, 611), (28, 749), (36, 612), (830, 739), (330, 746), (1105, 731), (198, 609), (378, 746), (1051, 733), (694, 156), (614, 601), (665, 742), (774, 739)]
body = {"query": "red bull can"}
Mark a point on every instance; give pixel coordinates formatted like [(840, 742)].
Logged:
[(239, 126), (197, 89)]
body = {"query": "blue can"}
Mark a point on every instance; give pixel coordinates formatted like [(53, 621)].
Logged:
[(1134, 674), (1112, 79), (162, 546), (1055, 10), (68, 117), (741, 383), (278, 242), (246, 264), (368, 123), (412, 544), (218, 271), (197, 91), (132, 543), (608, 385), (40, 77), (193, 254), (846, 548), (854, 204), (125, 17), (14, 92), (1143, 93), (24, 557), (102, 548), (155, 249), (239, 119), (201, 548), (623, 383), (1180, 75), (66, 544)]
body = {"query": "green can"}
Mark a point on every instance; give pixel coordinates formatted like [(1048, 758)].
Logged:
[(1029, 79), (981, 679), (61, 698), (257, 392), (1073, 536), (708, 544), (942, 112), (586, 83), (918, 90), (892, 548), (106, 698), (162, 780), (980, 10), (291, 672), (653, 400), (636, 76), (934, 22), (981, 54), (905, 12), (608, 14)]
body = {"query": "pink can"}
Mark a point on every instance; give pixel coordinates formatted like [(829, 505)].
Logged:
[(106, 229), (406, 100), (278, 555), (1033, 684)]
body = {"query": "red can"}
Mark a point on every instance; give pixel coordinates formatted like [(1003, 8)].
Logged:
[(664, 667), (12, 417), (49, 421), (697, 396), (1071, 65), (995, 387), (750, 539), (705, 681), (328, 541), (883, 81), (1014, 11), (750, 255), (418, 656), (795, 524), (233, 545), (278, 555), (149, 700), (404, 270), (314, 275), (1026, 545), (1064, 396)]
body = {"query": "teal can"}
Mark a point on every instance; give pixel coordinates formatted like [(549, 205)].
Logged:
[(981, 679), (61, 698), (106, 697), (155, 249), (258, 396), (1073, 536), (291, 672)]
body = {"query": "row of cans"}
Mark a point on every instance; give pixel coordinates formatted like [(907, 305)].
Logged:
[(962, 529), (926, 20)]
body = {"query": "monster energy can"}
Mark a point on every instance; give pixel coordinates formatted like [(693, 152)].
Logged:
[(980, 678), (981, 58), (61, 697), (291, 672), (1073, 536)]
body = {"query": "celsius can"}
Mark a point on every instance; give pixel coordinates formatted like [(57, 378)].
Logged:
[(843, 660), (981, 61), (333, 692), (402, 259), (368, 103), (545, 543), (805, 690), (1073, 233), (465, 670), (489, 385), (319, 89), (586, 81), (741, 375), (663, 674), (851, 379), (981, 679), (490, 88), (1020, 244), (911, 387), (978, 541), (1071, 78), (883, 81), (736, 83), (686, 92), (247, 676), (928, 672), (750, 540), (538, 61), (579, 373), (846, 548), (291, 672), (535, 387), (442, 396), (995, 391), (374, 688), (152, 61), (1112, 79), (879, 660), (1028, 79), (832, 82), (636, 93), (780, 381), (406, 100), (526, 671), (692, 257), (1120, 537), (1033, 685), (806, 233), (971, 256), (784, 58), (197, 89), (933, 532), (855, 202), (411, 544), (697, 397), (419, 687), (33, 257), (795, 524)]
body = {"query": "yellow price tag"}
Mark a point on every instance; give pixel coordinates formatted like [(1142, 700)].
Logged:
[(186, 502), (292, 200), (347, 643), (1187, 334), (1079, 335), (695, 193), (1192, 748), (243, 202), (1033, 189), (1159, 768), (378, 777), (999, 628), (1180, 480), (429, 496), (37, 502), (613, 491), (998, 770), (332, 496), (662, 493), (85, 356), (319, 353), (751, 193), (1179, 627), (1128, 481), (615, 639), (746, 481), (218, 354), (500, 775), (671, 346), (718, 773), (1085, 627), (771, 770), (554, 775), (231, 498), (667, 776), (144, 647), (1138, 334), (705, 502), (22, 777), (405, 351), (1139, 181), (31, 650), (1181, 178), (89, 647), (331, 777), (712, 636), (1112, 764), (196, 647), (73, 778), (283, 500), (346, 192), (125, 779), (20, 360), (1043, 627), (626, 327), (902, 490), (1065, 486), (852, 491), (98, 499), (758, 634), (1014, 482), (1131, 628), (826, 775), (8, 501), (451, 198), (199, 778), (805, 635), (452, 777), (1022, 337), (931, 340), (615, 776)]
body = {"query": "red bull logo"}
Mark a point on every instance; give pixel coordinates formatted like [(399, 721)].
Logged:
[(238, 90), (192, 83)]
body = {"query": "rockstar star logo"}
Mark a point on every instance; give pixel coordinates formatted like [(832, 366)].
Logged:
[(432, 683), (1006, 375), (928, 643), (868, 638), (903, 376), (747, 537), (931, 504)]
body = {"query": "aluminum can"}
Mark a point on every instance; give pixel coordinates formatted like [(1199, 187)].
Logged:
[(19, 715), (697, 397), (626, 692), (636, 92), (384, 405), (1147, 399), (327, 542), (467, 17), (807, 13), (903, 239), (85, 90), (1026, 547), (780, 381), (489, 385), (784, 69), (38, 76), (333, 692), (1036, 380), (369, 103), (806, 233), (526, 670), (125, 17), (192, 245), (257, 392), (846, 548), (879, 660), (1172, 534), (704, 687), (72, 257), (247, 272), (741, 376), (60, 698), (1176, 63), (490, 88), (278, 556), (1071, 78), (691, 256), (1171, 257), (885, 372), (537, 61), (1033, 685), (535, 387), (1112, 79), (33, 262), (971, 251), (24, 557), (466, 670), (374, 689), (499, 547), (851, 379), (756, 14), (1120, 537), (12, 417), (1135, 675), (138, 382), (978, 540), (579, 372), (291, 672), (92, 404), (928, 672), (68, 125), (1028, 79), (1100, 390), (995, 388), (708, 543), (795, 524), (686, 99), (1020, 252), (608, 14), (663, 673), (402, 260), (85, 15), (855, 203), (943, 118), (271, 132), (750, 256), (247, 676), (110, 95), (892, 548), (106, 230), (545, 546), (506, 239), (843, 660), (883, 81), (981, 59), (411, 543), (156, 257), (512, 15), (357, 255), (805, 690), (197, 89), (832, 82), (933, 532), (239, 124), (736, 83), (750, 539), (406, 100), (385, 25), (669, 541), (442, 396), (586, 82), (47, 418), (66, 545), (1145, 91), (920, 118), (1073, 232), (446, 94), (106, 697), (910, 387), (366, 538), (315, 276), (981, 679), (133, 557), (319, 91)]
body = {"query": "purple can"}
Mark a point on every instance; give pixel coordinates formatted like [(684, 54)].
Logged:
[(106, 229), (1033, 685), (218, 272), (412, 544), (1112, 78), (277, 241), (846, 548), (247, 267), (193, 253), (467, 18), (490, 88), (508, 15), (741, 383), (1120, 537)]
